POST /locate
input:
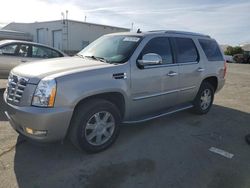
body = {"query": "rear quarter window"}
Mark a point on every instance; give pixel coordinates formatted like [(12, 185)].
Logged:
[(211, 49)]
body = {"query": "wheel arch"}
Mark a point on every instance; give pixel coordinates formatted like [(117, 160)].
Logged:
[(213, 80), (117, 98)]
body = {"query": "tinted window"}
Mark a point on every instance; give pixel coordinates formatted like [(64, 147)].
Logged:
[(185, 50), (160, 46), (8, 49), (43, 52), (211, 49)]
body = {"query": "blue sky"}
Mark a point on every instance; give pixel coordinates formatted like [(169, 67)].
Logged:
[(227, 21)]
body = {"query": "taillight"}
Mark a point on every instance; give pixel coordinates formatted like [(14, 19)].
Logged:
[(225, 69)]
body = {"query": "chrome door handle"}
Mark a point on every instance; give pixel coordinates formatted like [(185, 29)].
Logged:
[(200, 69), (172, 73)]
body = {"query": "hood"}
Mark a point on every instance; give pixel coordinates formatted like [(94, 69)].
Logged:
[(35, 71)]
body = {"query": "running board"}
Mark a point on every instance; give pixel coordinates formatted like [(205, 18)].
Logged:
[(161, 115)]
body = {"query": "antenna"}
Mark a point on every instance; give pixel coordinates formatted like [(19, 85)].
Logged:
[(63, 18), (62, 14), (67, 14)]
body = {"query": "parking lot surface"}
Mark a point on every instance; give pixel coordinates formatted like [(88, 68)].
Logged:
[(172, 151)]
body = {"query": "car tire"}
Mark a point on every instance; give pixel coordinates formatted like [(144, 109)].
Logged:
[(204, 98), (89, 129)]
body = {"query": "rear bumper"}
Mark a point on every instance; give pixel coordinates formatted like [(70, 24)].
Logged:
[(55, 121), (221, 83)]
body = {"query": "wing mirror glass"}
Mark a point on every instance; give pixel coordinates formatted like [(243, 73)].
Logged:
[(150, 59)]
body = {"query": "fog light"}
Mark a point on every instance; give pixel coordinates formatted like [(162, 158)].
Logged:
[(36, 132), (28, 130)]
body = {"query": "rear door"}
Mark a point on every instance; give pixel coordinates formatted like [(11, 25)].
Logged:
[(190, 67)]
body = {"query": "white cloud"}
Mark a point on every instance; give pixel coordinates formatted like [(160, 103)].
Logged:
[(36, 10), (225, 20)]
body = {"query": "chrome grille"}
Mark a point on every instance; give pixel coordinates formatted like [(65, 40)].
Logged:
[(15, 88)]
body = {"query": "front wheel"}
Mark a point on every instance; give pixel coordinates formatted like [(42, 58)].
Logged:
[(95, 125), (204, 98)]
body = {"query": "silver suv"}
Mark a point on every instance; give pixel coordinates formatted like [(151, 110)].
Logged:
[(119, 78)]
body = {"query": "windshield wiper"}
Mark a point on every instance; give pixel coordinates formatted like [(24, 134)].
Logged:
[(79, 55), (98, 58)]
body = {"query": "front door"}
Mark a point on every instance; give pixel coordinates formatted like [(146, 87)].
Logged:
[(153, 88), (8, 59)]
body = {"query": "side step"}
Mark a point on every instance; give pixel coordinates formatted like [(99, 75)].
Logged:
[(171, 110)]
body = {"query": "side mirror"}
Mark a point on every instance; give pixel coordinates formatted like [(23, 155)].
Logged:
[(150, 59)]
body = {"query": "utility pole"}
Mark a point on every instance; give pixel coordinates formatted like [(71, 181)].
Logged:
[(132, 26), (65, 31), (67, 21)]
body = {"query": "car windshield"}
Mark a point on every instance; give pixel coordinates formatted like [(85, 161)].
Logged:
[(111, 49)]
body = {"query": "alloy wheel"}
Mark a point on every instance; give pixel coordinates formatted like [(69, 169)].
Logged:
[(100, 128)]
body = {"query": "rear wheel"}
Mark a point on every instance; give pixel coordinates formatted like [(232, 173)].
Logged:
[(95, 125), (204, 98)]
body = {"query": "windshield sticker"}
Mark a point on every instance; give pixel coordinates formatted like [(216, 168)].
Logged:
[(131, 39)]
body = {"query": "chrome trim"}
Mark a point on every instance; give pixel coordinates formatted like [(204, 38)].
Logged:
[(189, 63), (15, 88), (122, 75), (155, 95), (163, 93), (160, 115), (172, 73), (187, 88), (170, 65), (158, 66), (200, 69)]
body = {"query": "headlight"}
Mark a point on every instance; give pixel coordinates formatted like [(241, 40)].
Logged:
[(45, 93)]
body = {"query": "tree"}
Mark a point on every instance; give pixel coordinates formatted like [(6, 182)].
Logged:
[(233, 50)]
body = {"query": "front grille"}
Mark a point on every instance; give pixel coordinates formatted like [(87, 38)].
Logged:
[(15, 88)]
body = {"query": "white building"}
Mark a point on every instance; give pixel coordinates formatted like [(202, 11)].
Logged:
[(7, 34), (67, 35)]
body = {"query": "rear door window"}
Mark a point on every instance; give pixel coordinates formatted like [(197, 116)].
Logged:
[(43, 52), (185, 50), (211, 49)]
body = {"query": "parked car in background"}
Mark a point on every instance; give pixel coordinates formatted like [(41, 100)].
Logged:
[(241, 58), (15, 52), (229, 58)]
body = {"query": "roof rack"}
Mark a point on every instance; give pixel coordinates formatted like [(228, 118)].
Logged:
[(181, 32)]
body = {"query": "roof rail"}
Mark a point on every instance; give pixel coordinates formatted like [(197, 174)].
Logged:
[(181, 32), (186, 33), (157, 31)]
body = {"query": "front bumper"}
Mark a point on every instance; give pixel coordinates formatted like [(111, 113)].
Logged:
[(55, 121)]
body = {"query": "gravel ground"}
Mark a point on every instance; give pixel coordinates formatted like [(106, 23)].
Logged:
[(172, 151)]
